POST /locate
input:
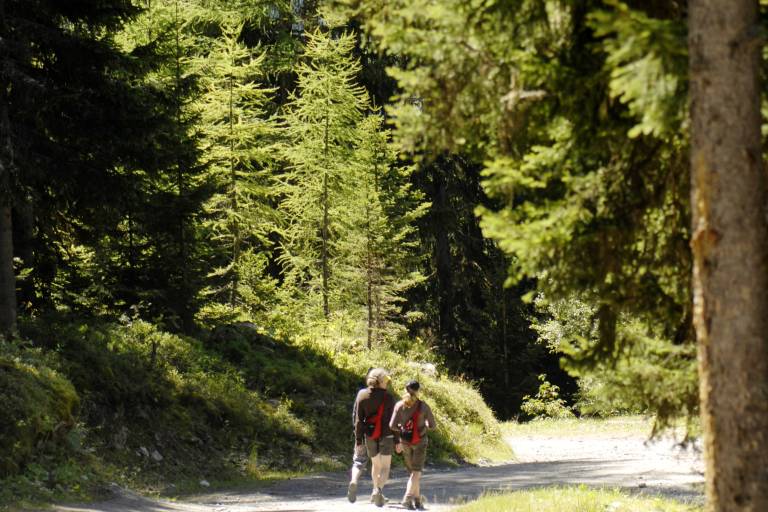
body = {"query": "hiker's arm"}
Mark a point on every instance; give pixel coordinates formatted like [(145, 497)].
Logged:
[(394, 424), (430, 418), (358, 421)]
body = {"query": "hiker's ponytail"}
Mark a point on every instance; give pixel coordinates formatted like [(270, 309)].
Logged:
[(410, 397)]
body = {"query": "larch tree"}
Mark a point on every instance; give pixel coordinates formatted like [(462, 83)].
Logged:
[(237, 138), (377, 243), (730, 250), (321, 129)]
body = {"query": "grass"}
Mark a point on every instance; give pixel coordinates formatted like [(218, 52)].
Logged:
[(620, 426), (574, 499)]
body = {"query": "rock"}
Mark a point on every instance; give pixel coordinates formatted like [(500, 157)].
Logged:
[(428, 369), (143, 451), (205, 483), (120, 438), (642, 485), (156, 456), (318, 404)]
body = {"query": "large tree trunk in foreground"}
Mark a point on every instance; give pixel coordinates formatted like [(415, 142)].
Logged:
[(730, 251)]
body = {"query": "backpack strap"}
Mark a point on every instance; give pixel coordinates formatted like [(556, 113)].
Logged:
[(376, 419)]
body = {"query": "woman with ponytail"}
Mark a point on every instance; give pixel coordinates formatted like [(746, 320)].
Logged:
[(411, 420), (371, 417)]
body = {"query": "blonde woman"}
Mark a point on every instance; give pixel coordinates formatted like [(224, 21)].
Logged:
[(411, 420), (372, 413)]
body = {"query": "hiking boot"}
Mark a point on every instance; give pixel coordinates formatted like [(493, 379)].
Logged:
[(378, 498), (408, 502), (352, 492), (419, 503), (373, 497)]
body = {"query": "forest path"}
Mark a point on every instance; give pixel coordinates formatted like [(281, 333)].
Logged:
[(620, 461)]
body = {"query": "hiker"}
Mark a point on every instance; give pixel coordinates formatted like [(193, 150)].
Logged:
[(373, 437), (411, 420)]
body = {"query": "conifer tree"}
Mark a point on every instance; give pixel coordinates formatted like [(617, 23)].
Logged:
[(320, 123), (377, 233), (236, 146)]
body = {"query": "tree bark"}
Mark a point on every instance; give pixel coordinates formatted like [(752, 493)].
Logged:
[(730, 251), (7, 274), (442, 252)]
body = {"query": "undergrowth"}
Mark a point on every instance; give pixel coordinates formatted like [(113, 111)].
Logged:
[(94, 403)]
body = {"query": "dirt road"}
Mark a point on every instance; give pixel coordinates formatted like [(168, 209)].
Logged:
[(609, 461)]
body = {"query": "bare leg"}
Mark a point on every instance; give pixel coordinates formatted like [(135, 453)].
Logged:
[(414, 487), (356, 472), (385, 462), (376, 464)]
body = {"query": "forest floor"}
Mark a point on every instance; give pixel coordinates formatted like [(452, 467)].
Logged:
[(623, 460)]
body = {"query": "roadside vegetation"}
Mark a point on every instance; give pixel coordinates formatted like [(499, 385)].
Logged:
[(575, 499), (94, 403)]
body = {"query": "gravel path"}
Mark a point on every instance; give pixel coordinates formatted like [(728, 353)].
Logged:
[(605, 461)]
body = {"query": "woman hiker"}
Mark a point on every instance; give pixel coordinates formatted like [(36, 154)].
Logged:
[(372, 413), (411, 420)]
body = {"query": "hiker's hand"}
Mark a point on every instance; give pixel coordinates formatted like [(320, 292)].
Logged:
[(399, 448)]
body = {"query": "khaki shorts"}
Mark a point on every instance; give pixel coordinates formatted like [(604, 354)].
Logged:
[(415, 455), (381, 446)]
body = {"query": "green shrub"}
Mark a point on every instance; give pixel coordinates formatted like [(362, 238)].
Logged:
[(38, 407), (547, 402)]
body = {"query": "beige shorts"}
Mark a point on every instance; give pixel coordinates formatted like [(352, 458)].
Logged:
[(415, 455), (381, 446)]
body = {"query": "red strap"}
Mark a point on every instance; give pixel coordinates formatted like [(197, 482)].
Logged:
[(377, 419), (416, 434)]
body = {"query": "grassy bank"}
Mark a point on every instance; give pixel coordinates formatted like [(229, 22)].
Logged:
[(618, 426), (93, 403), (575, 499)]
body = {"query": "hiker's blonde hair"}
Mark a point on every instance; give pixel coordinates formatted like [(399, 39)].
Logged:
[(410, 397), (377, 377)]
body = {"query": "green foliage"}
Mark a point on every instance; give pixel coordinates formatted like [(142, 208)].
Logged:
[(239, 404), (586, 160), (547, 402), (321, 122), (39, 407), (236, 144), (649, 375), (467, 428)]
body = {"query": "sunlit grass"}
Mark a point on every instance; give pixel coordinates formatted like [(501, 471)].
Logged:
[(619, 426), (574, 499)]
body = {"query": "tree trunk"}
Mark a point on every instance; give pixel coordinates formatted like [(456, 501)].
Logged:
[(730, 251), (324, 253), (440, 209), (7, 274)]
